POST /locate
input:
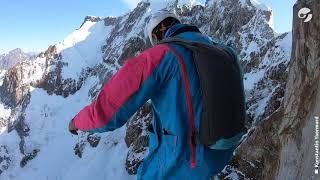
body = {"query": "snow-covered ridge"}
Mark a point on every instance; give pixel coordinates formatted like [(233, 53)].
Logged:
[(260, 5), (191, 3), (82, 48)]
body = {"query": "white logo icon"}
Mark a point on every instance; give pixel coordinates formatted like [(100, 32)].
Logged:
[(304, 13)]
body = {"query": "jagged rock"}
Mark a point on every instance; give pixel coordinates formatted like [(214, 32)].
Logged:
[(275, 100), (135, 16), (5, 159), (121, 30), (91, 18), (137, 139), (49, 53), (13, 91), (136, 153), (93, 140), (78, 149), (131, 49), (3, 122), (23, 131), (133, 162), (110, 21), (138, 123), (281, 146), (259, 52), (257, 156), (53, 82), (28, 157)]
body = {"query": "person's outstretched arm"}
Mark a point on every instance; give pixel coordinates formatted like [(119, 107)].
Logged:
[(124, 93)]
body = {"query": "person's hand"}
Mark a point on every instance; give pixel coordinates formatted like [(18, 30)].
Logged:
[(72, 128)]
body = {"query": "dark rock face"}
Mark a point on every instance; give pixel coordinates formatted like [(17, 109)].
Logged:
[(29, 157), (124, 25), (139, 122), (23, 131), (91, 18), (258, 156), (93, 140), (110, 21), (132, 48), (13, 91), (78, 149), (302, 99), (5, 159), (137, 151), (281, 146), (85, 141), (52, 81), (136, 138)]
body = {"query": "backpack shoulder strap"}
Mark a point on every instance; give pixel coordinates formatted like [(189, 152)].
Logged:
[(202, 48)]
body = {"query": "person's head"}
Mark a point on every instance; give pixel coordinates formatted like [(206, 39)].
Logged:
[(159, 23)]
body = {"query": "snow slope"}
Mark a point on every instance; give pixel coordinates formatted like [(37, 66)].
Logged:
[(82, 48), (47, 117)]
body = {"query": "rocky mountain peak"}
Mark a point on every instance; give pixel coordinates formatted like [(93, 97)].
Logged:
[(91, 19), (15, 51), (14, 57)]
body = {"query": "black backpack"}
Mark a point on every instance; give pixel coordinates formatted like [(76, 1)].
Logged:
[(222, 90)]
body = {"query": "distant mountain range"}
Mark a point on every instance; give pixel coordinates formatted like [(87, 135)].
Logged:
[(14, 57)]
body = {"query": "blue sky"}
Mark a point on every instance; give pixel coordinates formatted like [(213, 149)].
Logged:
[(33, 25)]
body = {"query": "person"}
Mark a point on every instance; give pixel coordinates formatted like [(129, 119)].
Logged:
[(156, 74)]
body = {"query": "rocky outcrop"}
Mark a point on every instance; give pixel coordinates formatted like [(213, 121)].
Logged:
[(281, 146), (28, 157), (263, 55), (54, 83), (93, 140), (132, 45), (131, 49), (92, 19), (13, 91), (52, 80), (137, 139), (302, 99), (5, 159)]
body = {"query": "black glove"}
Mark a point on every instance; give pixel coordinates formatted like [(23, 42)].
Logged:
[(72, 128)]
